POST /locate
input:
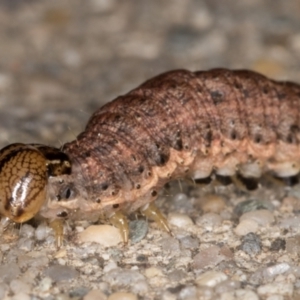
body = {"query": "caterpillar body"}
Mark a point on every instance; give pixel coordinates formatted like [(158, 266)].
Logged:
[(220, 123)]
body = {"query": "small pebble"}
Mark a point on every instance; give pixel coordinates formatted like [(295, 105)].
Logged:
[(61, 273), (275, 297), (293, 244), (263, 217), (45, 284), (188, 293), (212, 203), (3, 290), (177, 275), (26, 231), (105, 235), (170, 244), (245, 227), (42, 232), (239, 295), (8, 272), (210, 256), (227, 286), (30, 275), (18, 286), (295, 191), (122, 296), (110, 266), (205, 292), (290, 223), (21, 296), (181, 202), (209, 220), (290, 204), (5, 82), (272, 271), (180, 220), (211, 278), (153, 272), (122, 277), (33, 259), (25, 244), (95, 295), (280, 288), (278, 244), (189, 242), (140, 287), (252, 205), (138, 230), (78, 292), (251, 244)]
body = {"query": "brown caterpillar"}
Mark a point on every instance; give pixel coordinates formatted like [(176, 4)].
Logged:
[(222, 123)]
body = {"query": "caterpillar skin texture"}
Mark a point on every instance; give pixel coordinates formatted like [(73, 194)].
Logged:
[(178, 124)]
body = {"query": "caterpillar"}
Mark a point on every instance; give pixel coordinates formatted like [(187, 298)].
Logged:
[(221, 124)]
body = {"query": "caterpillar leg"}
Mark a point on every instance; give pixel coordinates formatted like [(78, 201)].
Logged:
[(152, 213), (120, 221), (244, 183), (58, 226)]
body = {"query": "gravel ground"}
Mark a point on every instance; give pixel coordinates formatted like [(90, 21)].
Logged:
[(59, 61)]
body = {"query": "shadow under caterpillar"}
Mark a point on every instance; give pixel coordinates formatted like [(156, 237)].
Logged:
[(233, 125)]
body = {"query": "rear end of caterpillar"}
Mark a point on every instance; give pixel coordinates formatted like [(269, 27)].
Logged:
[(230, 125)]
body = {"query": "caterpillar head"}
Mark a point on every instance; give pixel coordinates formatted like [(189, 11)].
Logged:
[(24, 173), (23, 179)]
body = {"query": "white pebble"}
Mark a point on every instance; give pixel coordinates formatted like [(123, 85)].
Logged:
[(263, 217), (5, 81), (180, 220), (25, 243), (245, 227), (153, 272), (275, 297), (290, 222), (21, 296), (3, 290), (239, 294), (18, 286), (280, 288), (275, 270), (26, 231), (110, 266), (140, 287), (45, 284), (95, 295), (209, 220), (105, 235), (210, 256), (211, 278), (42, 232), (122, 296), (168, 296)]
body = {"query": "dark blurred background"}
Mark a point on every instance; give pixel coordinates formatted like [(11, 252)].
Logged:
[(62, 59)]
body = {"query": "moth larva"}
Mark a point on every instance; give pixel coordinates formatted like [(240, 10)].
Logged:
[(179, 124)]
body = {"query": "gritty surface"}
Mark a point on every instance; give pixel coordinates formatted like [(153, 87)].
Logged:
[(59, 61)]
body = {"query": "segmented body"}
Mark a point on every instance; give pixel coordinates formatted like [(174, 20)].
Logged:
[(181, 124)]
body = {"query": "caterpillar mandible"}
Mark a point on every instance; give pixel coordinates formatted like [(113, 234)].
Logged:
[(218, 123)]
